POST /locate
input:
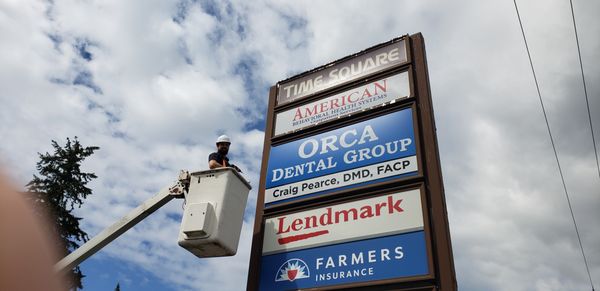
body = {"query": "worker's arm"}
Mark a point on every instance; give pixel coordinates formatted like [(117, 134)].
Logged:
[(235, 167), (212, 161), (212, 164)]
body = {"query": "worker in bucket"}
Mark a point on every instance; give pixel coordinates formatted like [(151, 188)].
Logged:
[(219, 158)]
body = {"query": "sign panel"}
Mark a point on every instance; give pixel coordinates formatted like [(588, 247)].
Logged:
[(374, 149), (355, 100), (372, 62), (396, 256), (362, 219)]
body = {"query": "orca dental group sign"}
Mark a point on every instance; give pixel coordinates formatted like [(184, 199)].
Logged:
[(360, 153), (376, 216), (361, 98)]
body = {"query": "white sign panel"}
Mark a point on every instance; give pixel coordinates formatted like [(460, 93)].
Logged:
[(368, 218), (383, 58), (357, 99), (342, 179)]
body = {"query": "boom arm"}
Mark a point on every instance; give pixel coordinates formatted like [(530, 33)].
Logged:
[(128, 221)]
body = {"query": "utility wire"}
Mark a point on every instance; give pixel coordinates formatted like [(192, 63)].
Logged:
[(553, 146), (587, 103)]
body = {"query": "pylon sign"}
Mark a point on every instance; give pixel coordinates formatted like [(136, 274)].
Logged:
[(351, 193)]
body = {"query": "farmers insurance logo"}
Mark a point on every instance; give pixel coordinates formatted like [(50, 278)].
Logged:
[(291, 270)]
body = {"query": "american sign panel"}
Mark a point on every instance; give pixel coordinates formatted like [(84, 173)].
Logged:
[(364, 152), (351, 101), (372, 62), (367, 218), (389, 257)]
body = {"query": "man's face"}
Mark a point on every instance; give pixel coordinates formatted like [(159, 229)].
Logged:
[(223, 148)]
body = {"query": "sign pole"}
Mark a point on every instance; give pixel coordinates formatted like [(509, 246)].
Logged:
[(257, 234), (441, 232)]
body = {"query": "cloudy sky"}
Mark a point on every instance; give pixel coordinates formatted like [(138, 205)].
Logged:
[(152, 83)]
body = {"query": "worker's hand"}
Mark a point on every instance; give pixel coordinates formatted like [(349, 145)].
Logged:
[(235, 167)]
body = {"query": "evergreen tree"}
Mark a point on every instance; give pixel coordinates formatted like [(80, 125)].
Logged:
[(59, 188), (118, 288)]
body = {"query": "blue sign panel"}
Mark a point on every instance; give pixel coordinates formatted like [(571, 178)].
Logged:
[(374, 149), (381, 258)]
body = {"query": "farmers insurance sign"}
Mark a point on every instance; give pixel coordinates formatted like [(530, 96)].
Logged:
[(357, 99), (357, 220), (374, 149), (372, 62), (389, 257)]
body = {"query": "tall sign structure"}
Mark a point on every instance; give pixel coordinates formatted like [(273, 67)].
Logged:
[(351, 193)]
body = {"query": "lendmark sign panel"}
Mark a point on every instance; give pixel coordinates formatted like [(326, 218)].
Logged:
[(389, 257), (358, 220), (351, 101), (374, 149), (369, 63)]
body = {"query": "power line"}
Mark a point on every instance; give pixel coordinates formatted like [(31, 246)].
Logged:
[(587, 103), (553, 146)]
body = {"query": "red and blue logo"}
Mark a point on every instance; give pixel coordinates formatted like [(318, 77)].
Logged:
[(291, 270)]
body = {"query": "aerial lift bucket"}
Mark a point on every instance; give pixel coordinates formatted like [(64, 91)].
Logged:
[(214, 212)]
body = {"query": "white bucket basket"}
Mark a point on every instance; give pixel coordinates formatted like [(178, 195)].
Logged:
[(214, 213)]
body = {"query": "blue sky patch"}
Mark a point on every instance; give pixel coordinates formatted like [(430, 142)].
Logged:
[(85, 78), (81, 46), (182, 11), (56, 40)]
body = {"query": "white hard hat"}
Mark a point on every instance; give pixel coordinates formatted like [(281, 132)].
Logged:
[(223, 138)]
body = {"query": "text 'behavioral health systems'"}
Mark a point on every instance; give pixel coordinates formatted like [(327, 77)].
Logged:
[(357, 154)]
